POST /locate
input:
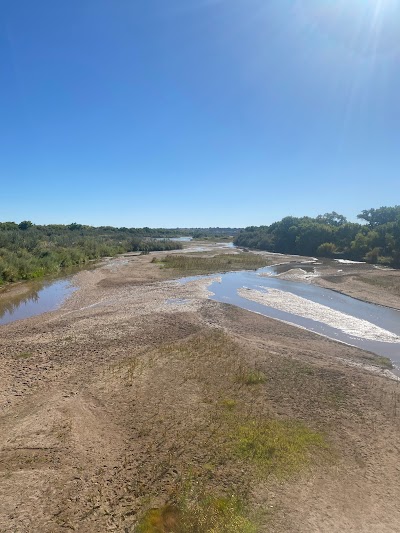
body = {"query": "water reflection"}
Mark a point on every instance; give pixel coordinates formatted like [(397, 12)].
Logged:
[(36, 298), (10, 302)]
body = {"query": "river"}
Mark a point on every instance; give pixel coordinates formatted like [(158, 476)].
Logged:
[(323, 311), (367, 326)]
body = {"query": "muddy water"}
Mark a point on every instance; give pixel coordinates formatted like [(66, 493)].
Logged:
[(369, 315)]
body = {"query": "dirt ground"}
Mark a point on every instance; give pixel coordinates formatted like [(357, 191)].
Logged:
[(136, 385)]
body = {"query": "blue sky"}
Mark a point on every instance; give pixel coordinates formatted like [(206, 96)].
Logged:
[(197, 112)]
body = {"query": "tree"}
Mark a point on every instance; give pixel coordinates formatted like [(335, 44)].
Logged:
[(74, 226), (332, 219), (25, 224), (383, 215)]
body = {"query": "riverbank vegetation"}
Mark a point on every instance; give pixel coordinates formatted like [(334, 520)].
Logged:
[(375, 240), (194, 265), (28, 251)]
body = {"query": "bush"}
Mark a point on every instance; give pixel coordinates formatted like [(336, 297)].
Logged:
[(327, 249)]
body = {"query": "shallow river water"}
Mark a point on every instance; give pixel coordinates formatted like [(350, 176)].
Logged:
[(38, 297), (334, 315), (329, 313)]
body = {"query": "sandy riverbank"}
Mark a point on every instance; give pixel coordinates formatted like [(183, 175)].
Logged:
[(109, 403), (370, 283), (364, 282)]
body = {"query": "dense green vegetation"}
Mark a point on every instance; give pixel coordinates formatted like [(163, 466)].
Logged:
[(28, 251), (376, 240)]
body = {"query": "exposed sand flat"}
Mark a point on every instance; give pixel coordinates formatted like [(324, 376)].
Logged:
[(290, 303)]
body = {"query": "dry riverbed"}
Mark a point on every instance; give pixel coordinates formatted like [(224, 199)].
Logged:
[(142, 402)]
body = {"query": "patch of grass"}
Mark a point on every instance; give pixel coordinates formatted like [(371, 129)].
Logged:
[(23, 355), (204, 513), (228, 404), (384, 362), (219, 263), (251, 377), (214, 346), (166, 519), (281, 447), (378, 360)]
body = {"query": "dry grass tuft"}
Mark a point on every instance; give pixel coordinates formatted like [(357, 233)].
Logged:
[(251, 377)]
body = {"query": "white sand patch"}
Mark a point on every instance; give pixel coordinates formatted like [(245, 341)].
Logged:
[(348, 262), (199, 287), (290, 303)]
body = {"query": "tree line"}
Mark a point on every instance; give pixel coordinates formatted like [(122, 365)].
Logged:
[(376, 239), (29, 251)]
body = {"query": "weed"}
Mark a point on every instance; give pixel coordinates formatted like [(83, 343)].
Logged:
[(162, 520), (384, 362), (23, 355), (228, 404), (252, 377), (276, 446), (198, 513)]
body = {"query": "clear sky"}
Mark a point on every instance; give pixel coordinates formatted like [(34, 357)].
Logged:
[(197, 112)]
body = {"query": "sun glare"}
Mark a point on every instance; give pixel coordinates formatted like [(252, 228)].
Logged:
[(367, 26)]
